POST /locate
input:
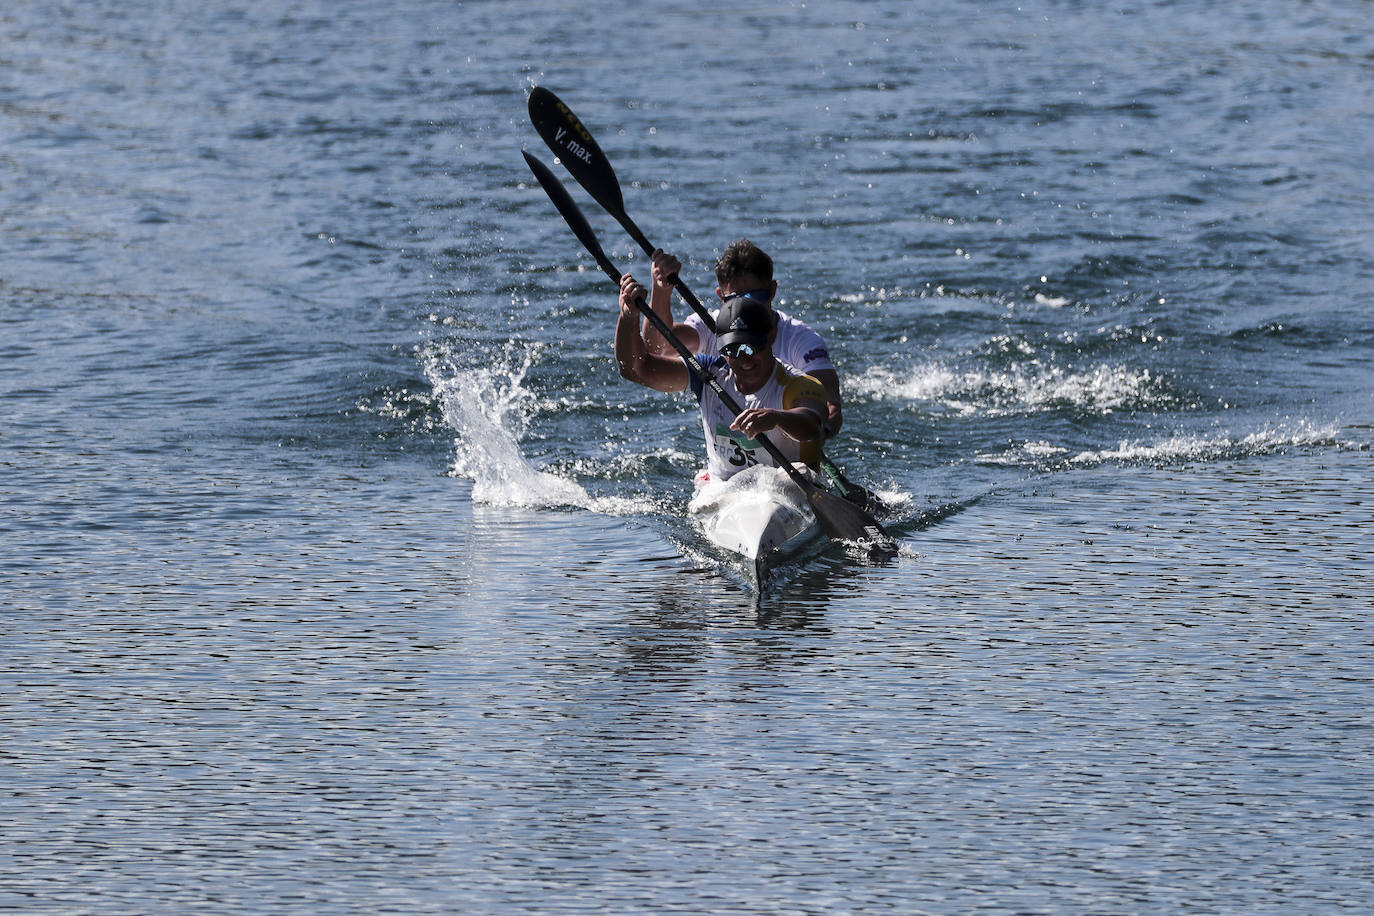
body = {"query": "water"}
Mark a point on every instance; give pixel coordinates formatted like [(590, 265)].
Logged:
[(342, 573)]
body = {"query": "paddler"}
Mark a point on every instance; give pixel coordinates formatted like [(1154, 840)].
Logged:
[(791, 408), (745, 269)]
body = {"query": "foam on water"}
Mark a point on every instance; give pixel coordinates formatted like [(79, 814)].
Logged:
[(1035, 388), (1171, 450)]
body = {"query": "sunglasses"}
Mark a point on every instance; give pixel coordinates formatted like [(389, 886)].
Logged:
[(757, 295), (739, 350)]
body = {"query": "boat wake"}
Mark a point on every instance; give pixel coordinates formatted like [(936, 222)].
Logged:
[(1175, 449)]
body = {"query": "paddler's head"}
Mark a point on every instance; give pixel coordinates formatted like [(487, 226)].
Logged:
[(745, 330), (744, 268)]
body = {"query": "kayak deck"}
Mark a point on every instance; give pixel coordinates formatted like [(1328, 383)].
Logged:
[(759, 516)]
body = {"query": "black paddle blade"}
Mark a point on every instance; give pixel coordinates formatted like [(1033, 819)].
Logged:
[(571, 214), (844, 521), (575, 148)]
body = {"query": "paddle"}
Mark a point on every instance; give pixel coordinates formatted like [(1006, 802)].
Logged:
[(578, 150), (838, 518)]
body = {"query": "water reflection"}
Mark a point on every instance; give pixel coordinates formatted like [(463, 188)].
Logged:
[(561, 704)]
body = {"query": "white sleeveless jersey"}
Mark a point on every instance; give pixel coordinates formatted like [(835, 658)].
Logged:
[(797, 346), (729, 451)]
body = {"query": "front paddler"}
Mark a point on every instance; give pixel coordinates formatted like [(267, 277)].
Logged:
[(774, 400)]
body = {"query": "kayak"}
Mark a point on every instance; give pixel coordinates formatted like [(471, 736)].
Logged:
[(759, 516)]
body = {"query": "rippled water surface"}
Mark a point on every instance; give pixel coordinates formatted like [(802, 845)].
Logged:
[(341, 572)]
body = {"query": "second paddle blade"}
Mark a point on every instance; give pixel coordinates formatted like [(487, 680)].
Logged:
[(844, 521)]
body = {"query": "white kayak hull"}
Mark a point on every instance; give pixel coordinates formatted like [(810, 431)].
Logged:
[(759, 516)]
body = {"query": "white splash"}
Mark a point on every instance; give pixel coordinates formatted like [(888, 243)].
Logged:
[(489, 407)]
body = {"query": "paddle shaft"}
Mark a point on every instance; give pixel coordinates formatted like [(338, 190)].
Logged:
[(678, 283)]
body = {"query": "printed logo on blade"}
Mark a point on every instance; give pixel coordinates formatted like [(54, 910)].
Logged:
[(573, 147)]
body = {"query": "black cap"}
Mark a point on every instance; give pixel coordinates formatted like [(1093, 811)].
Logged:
[(744, 320)]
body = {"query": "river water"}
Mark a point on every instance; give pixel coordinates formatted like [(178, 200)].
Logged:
[(341, 572)]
